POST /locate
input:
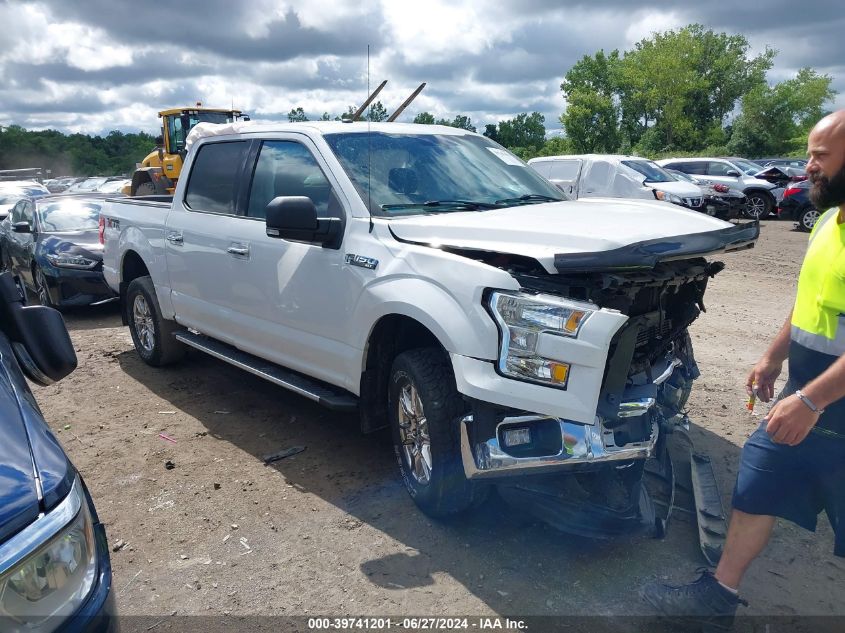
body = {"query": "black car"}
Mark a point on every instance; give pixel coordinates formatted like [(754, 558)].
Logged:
[(796, 205), (55, 571), (52, 244)]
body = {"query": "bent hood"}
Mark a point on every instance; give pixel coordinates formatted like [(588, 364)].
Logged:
[(587, 234)]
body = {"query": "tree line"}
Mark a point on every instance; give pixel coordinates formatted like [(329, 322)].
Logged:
[(686, 91), (73, 154)]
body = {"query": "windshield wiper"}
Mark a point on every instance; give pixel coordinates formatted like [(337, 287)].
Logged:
[(529, 198), (471, 205)]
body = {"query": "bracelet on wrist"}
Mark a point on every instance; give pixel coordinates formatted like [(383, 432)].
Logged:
[(810, 405)]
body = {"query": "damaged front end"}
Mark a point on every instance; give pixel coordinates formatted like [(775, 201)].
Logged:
[(587, 478)]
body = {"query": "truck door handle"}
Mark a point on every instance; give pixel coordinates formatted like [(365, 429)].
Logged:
[(242, 251), (175, 238)]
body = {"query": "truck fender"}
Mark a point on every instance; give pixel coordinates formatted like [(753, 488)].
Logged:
[(460, 328), (150, 249)]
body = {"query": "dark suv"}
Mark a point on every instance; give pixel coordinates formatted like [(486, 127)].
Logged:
[(796, 205), (55, 572)]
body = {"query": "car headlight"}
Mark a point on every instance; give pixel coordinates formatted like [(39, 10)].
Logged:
[(667, 197), (71, 261), (521, 319), (54, 568)]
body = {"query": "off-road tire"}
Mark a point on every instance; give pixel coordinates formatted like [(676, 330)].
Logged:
[(448, 491), (163, 349), (146, 188)]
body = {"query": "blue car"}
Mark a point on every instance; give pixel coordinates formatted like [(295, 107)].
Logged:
[(52, 243), (55, 571)]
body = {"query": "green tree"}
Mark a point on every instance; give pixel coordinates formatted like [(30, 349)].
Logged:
[(523, 131), (776, 119), (671, 91), (426, 118), (463, 122), (591, 119), (297, 115), (326, 117), (377, 112)]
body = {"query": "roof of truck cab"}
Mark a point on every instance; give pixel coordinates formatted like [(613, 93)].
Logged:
[(608, 157)]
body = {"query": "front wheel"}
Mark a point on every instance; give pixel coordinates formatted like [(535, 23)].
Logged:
[(759, 204), (807, 219), (425, 408), (151, 333), (42, 290)]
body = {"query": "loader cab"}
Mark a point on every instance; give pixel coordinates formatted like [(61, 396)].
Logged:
[(158, 172)]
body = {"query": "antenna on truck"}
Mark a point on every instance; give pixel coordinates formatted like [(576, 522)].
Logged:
[(406, 103), (357, 114)]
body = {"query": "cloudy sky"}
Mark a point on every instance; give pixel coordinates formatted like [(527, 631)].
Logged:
[(97, 65)]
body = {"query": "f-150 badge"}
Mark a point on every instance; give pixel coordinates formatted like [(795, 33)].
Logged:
[(360, 260)]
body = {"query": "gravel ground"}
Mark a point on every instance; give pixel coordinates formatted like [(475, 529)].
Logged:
[(332, 531)]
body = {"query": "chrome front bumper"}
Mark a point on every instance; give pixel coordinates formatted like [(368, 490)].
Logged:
[(581, 443)]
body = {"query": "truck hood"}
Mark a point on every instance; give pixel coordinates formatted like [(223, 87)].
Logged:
[(590, 233)]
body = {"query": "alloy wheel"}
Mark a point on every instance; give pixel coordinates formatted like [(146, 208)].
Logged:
[(756, 206), (41, 289), (413, 433), (143, 319), (809, 219)]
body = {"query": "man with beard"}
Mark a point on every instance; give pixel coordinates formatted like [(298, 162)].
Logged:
[(793, 466)]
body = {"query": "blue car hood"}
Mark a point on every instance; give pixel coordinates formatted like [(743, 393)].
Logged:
[(28, 449)]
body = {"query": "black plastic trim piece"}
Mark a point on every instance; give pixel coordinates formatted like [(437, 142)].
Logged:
[(649, 253)]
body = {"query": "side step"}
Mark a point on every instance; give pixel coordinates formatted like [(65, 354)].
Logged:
[(319, 392), (712, 524)]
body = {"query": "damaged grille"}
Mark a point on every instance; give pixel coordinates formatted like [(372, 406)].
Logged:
[(661, 304)]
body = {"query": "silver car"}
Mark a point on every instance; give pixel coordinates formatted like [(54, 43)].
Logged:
[(737, 173)]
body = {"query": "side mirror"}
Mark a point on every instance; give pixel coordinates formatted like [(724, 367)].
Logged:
[(733, 173), (38, 335), (295, 218), (22, 227)]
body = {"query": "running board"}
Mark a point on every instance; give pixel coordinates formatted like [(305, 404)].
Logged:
[(712, 525), (319, 392)]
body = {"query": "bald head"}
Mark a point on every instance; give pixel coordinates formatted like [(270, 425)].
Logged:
[(831, 128), (826, 164)]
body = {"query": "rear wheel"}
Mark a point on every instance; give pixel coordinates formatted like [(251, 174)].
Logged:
[(151, 333), (425, 408), (807, 219)]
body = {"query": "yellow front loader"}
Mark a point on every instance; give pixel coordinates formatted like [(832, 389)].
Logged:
[(158, 172)]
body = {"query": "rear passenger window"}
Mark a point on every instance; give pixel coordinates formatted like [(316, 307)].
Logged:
[(719, 169), (695, 168), (214, 177), (287, 168)]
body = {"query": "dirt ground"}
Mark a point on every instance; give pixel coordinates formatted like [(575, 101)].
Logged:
[(332, 531)]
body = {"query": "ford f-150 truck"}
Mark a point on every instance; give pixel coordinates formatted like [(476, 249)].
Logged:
[(427, 277)]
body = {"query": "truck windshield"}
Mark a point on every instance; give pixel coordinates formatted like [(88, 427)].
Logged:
[(407, 174)]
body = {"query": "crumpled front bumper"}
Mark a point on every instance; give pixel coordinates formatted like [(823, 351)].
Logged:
[(580, 444)]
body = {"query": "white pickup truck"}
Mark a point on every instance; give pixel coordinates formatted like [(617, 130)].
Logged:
[(427, 277)]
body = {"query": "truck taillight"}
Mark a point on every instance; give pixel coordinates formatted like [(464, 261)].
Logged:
[(101, 229), (791, 191)]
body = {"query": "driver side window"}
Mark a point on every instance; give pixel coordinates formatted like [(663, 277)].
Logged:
[(287, 168)]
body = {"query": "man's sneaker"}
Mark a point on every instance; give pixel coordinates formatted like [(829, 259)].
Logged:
[(704, 601)]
